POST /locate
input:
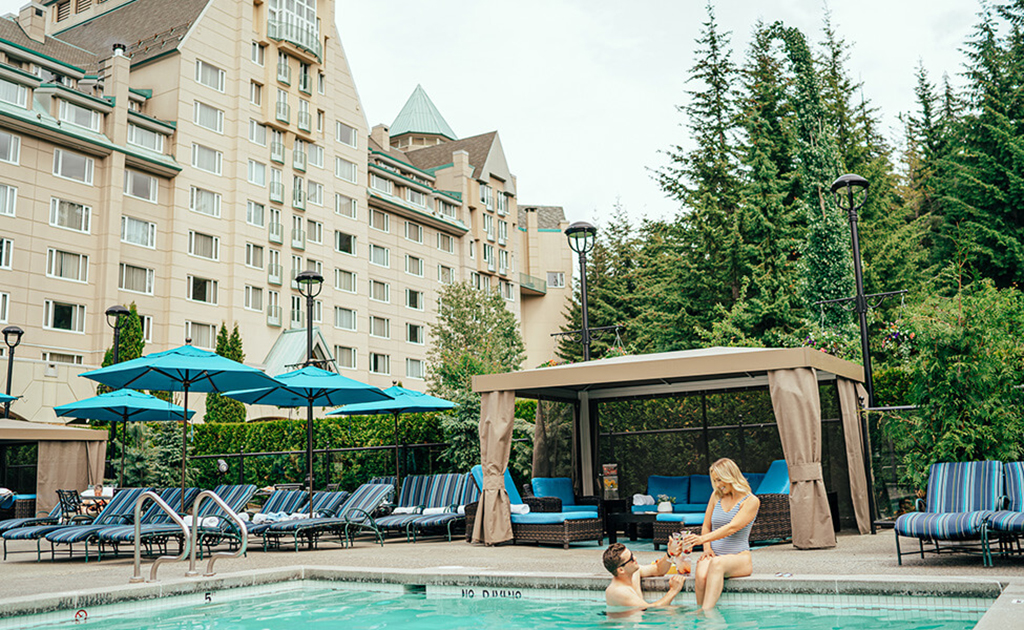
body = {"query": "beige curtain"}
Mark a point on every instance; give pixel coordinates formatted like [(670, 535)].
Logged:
[(798, 413), (67, 465), (493, 524), (854, 451), (543, 442)]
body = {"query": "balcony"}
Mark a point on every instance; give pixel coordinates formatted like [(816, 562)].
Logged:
[(501, 239), (490, 265), (274, 274), (275, 233), (298, 238), (531, 285), (490, 236), (283, 112), (298, 318), (503, 271), (274, 316), (306, 83), (299, 159), (305, 120), (298, 199), (277, 192), (305, 38), (284, 73), (277, 152)]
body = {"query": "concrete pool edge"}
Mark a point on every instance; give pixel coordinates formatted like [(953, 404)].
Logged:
[(1008, 594)]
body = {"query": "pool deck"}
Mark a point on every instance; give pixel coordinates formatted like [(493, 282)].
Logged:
[(858, 564)]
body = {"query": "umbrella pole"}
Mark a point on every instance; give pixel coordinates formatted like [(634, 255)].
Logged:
[(309, 454), (184, 437), (397, 473), (124, 434)]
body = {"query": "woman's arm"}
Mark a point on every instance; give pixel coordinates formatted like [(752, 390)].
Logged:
[(746, 513)]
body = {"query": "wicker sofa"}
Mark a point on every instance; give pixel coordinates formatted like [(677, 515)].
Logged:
[(773, 518)]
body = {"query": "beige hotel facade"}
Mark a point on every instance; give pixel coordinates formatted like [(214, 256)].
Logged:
[(192, 156)]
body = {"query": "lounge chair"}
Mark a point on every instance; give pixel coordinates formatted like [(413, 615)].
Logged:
[(548, 526), (152, 525), (356, 513), (1007, 524), (325, 504), (285, 501), (961, 497), (236, 497), (447, 520), (51, 518), (440, 493), (120, 511), (65, 512)]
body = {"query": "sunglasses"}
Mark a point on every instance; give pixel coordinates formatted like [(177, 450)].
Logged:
[(631, 558)]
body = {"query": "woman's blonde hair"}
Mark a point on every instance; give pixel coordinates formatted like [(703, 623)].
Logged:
[(729, 473)]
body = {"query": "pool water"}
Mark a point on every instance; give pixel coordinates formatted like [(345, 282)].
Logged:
[(318, 608)]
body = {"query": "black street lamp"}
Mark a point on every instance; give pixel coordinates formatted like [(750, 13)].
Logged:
[(114, 314), (12, 337), (310, 284), (582, 237)]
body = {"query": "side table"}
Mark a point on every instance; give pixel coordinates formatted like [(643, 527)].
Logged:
[(628, 522)]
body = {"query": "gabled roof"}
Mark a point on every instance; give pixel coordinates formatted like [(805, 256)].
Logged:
[(149, 28), (478, 148), (289, 351), (56, 49), (419, 115), (548, 217)]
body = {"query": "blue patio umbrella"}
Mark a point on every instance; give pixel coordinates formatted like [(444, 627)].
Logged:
[(122, 406), (4, 398), (402, 401), (181, 369), (310, 387)]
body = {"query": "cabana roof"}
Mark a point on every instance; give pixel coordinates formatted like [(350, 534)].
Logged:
[(23, 431), (666, 373)]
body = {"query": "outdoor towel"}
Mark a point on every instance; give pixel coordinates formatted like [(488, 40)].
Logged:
[(414, 509), (434, 511), (643, 499), (520, 508)]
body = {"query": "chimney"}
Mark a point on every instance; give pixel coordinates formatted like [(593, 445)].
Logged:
[(460, 160), (32, 19), (382, 136), (116, 83)]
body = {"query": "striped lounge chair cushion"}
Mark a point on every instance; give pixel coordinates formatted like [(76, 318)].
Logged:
[(964, 486), (1011, 520), (120, 510), (14, 523), (443, 490), (154, 520), (947, 526), (470, 494)]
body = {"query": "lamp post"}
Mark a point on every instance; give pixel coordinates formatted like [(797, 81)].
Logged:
[(582, 236), (12, 337), (114, 314), (310, 284)]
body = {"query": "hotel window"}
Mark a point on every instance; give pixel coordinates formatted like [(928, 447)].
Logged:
[(344, 243), (414, 299), (415, 197), (255, 93), (321, 81), (506, 291), (446, 209), (207, 159), (343, 169), (414, 265), (70, 215), (78, 115), (8, 200), (320, 122), (202, 290), (13, 93), (140, 185), (487, 196), (253, 298), (136, 279), (138, 232), (346, 135), (62, 357), (414, 232), (380, 327), (254, 213), (379, 183), (67, 265), (203, 245), (445, 275), (489, 226), (257, 133), (314, 231), (345, 357), (344, 318), (5, 305), (502, 203), (63, 316), (204, 202), (315, 265), (379, 256), (208, 117), (202, 335), (316, 155), (315, 193), (380, 220), (380, 291), (257, 173), (209, 75), (414, 368), (259, 53), (10, 147), (503, 259), (345, 206), (254, 256), (380, 364), (6, 252), (72, 166), (147, 328), (414, 333), (145, 138), (445, 243), (345, 280), (502, 231), (489, 254), (556, 280)]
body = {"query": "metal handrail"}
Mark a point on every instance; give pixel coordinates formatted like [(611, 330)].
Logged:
[(185, 545), (243, 536)]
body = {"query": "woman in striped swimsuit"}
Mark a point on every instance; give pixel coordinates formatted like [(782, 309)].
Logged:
[(727, 521)]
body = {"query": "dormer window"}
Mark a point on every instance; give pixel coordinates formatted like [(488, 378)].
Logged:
[(13, 93), (78, 115)]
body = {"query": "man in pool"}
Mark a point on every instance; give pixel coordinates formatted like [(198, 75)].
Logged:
[(626, 572)]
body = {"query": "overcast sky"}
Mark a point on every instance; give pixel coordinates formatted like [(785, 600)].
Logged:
[(583, 92)]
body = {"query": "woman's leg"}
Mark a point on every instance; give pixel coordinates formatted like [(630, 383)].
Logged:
[(721, 567), (700, 577)]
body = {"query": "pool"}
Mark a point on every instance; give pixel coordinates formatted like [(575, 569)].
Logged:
[(319, 605)]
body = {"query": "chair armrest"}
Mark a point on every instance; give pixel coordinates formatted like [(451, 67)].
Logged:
[(82, 518), (919, 504), (773, 520), (543, 504), (527, 490), (589, 500)]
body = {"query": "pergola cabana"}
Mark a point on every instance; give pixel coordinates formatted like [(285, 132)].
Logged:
[(791, 375), (66, 457)]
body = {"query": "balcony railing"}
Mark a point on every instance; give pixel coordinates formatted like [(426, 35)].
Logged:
[(277, 192), (306, 83), (275, 232), (277, 152), (305, 120), (304, 38), (299, 160), (298, 238), (298, 319), (298, 199), (530, 283), (283, 112), (274, 274), (284, 73), (273, 316)]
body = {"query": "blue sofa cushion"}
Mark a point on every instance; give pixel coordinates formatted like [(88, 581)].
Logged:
[(579, 508), (560, 487), (689, 508), (510, 487), (944, 526), (691, 518), (700, 490), (776, 480), (546, 518), (754, 479), (640, 509), (677, 487)]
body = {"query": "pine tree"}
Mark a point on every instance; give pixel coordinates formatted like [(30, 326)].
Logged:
[(220, 408)]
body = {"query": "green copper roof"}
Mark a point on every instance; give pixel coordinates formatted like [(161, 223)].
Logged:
[(420, 116)]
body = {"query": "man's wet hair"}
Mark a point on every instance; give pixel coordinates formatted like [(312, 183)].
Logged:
[(613, 557)]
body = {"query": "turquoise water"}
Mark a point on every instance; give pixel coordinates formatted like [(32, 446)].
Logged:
[(323, 609)]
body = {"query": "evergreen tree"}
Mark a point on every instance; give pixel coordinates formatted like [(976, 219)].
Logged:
[(220, 408)]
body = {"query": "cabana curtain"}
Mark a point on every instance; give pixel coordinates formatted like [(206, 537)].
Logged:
[(493, 524), (67, 465), (849, 392)]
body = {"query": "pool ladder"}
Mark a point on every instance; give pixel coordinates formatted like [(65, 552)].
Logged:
[(190, 540)]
